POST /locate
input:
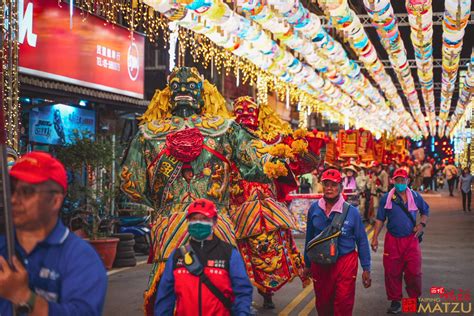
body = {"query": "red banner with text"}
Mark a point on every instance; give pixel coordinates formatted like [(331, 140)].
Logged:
[(347, 143), (62, 43)]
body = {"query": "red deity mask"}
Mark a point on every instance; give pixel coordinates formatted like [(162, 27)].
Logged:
[(246, 112)]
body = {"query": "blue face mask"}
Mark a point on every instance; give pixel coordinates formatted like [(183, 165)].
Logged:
[(400, 187)]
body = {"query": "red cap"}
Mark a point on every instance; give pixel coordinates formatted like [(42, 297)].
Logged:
[(374, 164), (204, 207), (37, 167), (400, 172), (332, 175)]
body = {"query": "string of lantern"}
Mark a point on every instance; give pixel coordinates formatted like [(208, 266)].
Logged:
[(456, 17), (421, 26), (279, 62), (465, 97)]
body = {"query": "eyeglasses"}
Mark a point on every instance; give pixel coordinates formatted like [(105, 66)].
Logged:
[(27, 192)]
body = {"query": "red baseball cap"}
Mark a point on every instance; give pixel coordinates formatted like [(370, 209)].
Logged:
[(37, 167), (204, 207), (400, 172), (332, 175), (374, 164)]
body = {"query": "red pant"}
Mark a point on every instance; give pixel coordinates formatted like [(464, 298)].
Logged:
[(402, 257), (334, 286)]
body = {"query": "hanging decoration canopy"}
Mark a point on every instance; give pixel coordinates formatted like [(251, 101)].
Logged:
[(217, 21), (299, 41), (385, 22), (300, 29), (456, 16), (239, 36), (280, 45)]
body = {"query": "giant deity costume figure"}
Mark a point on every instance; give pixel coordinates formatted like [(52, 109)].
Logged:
[(263, 225), (185, 149)]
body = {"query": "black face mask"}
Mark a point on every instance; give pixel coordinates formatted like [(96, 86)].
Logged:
[(331, 200)]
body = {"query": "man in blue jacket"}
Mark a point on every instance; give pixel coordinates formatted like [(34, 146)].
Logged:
[(222, 265), (55, 272), (334, 284), (402, 252)]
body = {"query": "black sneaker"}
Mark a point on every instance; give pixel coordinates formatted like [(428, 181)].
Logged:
[(395, 308), (268, 304), (267, 301)]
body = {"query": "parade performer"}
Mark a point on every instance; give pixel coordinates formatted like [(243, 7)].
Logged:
[(263, 224), (379, 182), (349, 185), (183, 151), (182, 288)]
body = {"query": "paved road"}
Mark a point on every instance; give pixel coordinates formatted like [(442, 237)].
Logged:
[(448, 257)]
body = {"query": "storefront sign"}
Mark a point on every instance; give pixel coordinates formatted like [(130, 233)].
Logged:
[(57, 124), (62, 43)]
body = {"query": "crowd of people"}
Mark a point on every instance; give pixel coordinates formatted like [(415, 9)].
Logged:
[(365, 183), (41, 283)]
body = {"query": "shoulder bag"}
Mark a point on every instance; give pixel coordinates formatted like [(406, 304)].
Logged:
[(322, 249), (399, 202)]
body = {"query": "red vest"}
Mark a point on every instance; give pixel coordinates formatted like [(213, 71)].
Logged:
[(193, 298)]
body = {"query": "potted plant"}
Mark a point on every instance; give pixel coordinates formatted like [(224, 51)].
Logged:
[(88, 160)]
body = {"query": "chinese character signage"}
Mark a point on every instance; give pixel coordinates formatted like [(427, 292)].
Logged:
[(347, 143), (80, 49), (56, 124), (331, 152), (365, 149), (379, 149)]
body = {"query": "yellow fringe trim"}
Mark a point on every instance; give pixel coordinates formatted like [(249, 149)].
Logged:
[(150, 294)]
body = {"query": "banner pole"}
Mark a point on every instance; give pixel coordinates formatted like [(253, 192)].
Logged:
[(6, 193), (8, 114)]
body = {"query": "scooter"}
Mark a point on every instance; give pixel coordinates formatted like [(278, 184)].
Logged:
[(140, 228)]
